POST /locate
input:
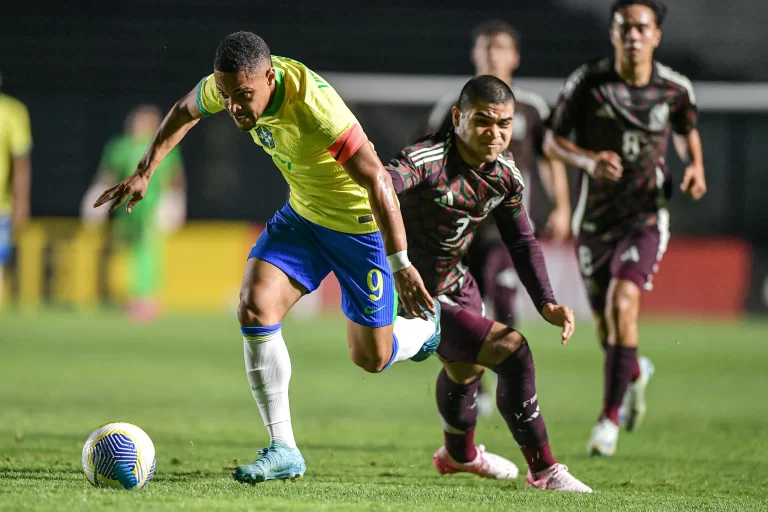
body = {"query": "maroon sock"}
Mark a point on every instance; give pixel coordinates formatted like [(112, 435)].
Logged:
[(635, 369), (518, 403), (461, 446), (497, 271), (539, 459), (619, 366), (456, 403)]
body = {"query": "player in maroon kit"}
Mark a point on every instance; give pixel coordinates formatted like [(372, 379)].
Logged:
[(448, 183), (621, 111), (496, 51)]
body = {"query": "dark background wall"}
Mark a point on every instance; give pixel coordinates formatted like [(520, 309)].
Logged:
[(80, 66)]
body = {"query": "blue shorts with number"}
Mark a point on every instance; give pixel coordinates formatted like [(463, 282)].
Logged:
[(6, 243), (308, 252)]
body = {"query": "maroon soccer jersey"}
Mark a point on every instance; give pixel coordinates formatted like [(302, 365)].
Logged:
[(443, 200), (607, 114)]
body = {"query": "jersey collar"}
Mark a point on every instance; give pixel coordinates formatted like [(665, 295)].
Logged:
[(277, 100), (655, 79)]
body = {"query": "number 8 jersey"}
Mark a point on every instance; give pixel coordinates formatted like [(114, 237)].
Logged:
[(607, 114), (443, 200)]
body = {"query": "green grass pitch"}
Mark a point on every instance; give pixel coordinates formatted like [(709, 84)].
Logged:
[(368, 439)]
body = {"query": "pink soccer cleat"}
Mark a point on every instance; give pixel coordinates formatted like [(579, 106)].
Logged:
[(486, 465), (556, 478)]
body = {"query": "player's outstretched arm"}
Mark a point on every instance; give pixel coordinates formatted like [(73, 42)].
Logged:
[(528, 258), (179, 120), (689, 149), (603, 165), (365, 168)]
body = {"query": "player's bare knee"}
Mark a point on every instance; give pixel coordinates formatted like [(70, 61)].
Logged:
[(502, 342), (371, 362), (463, 373), (509, 343), (370, 349), (250, 311), (625, 300)]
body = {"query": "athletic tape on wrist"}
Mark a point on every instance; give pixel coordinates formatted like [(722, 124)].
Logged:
[(398, 261)]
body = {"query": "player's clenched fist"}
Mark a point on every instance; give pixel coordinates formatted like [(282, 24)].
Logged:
[(413, 295), (694, 184), (607, 166), (134, 186), (561, 316)]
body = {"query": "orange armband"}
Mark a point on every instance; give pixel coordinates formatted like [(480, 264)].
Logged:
[(348, 143)]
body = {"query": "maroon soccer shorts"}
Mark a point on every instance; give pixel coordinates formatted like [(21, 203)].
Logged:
[(634, 257), (464, 328)]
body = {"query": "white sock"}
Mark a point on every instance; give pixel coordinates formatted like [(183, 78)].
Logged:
[(411, 333), (268, 367)]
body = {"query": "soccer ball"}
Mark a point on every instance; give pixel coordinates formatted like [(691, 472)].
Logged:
[(119, 455)]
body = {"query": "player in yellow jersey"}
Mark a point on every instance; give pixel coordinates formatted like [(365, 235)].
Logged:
[(340, 197), (15, 172)]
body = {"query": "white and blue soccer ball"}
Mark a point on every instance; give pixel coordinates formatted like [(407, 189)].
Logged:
[(119, 455)]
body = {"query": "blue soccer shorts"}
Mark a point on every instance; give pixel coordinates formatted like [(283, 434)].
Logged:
[(308, 252)]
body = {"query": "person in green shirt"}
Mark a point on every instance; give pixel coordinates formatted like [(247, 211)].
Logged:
[(162, 210)]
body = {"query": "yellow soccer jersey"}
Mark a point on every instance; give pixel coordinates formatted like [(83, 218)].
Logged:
[(310, 133), (15, 142)]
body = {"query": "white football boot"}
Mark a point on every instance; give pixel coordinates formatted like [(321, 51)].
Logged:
[(486, 465), (556, 478)]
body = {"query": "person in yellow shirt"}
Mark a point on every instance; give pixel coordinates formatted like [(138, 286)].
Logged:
[(15, 172), (342, 217)]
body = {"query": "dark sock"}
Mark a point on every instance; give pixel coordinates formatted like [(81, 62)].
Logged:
[(620, 363), (455, 403), (518, 403), (539, 459), (635, 369), (461, 446)]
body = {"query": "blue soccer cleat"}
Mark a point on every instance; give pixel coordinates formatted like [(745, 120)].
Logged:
[(278, 462), (430, 346)]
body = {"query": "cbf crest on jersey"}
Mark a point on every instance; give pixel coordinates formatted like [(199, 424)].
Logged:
[(265, 136)]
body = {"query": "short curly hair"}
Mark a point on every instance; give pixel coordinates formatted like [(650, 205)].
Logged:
[(241, 51)]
